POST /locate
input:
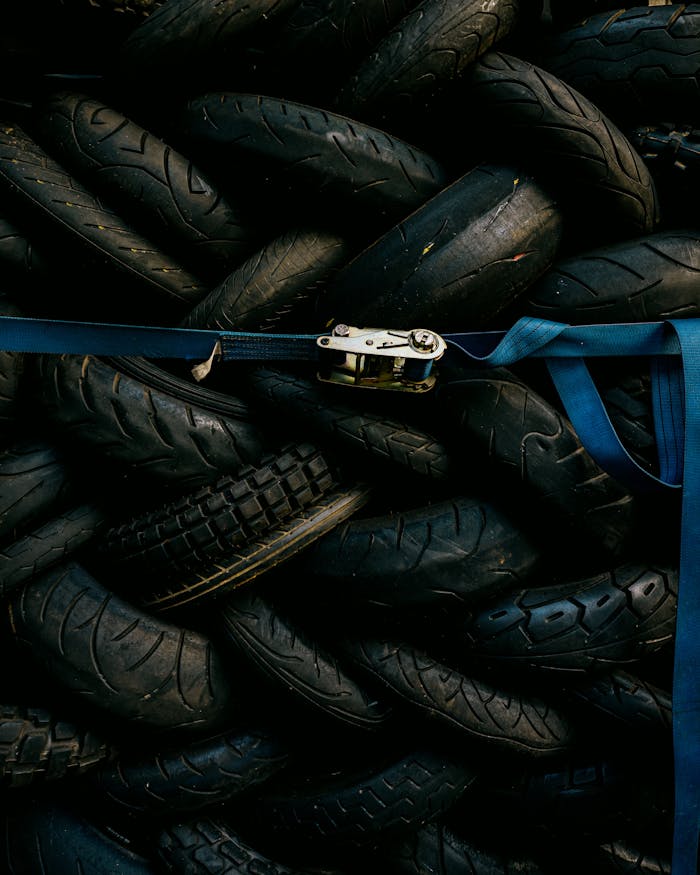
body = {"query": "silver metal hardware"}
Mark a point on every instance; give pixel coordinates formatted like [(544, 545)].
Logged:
[(380, 358)]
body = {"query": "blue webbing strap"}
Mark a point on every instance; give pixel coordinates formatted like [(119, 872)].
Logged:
[(674, 350)]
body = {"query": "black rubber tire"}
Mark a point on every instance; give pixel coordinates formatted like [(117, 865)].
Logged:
[(204, 847), (115, 659), (267, 292), (284, 651), (644, 279), (353, 177), (19, 254), (179, 43), (672, 154), (483, 714), (205, 526), (566, 13), (153, 186), (259, 557), (623, 702), (414, 788), (36, 481), (635, 64), (585, 791), (329, 35), (36, 746), (425, 50), (455, 262), (152, 425), (450, 552), (11, 377), (55, 838), (49, 544), (603, 186), (307, 407), (437, 848), (174, 780), (60, 208), (533, 451), (611, 620), (622, 855)]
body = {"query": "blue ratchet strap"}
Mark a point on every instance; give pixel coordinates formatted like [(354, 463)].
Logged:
[(673, 347)]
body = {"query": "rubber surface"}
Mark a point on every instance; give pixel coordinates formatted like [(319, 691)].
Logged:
[(460, 550), (590, 167), (276, 288), (481, 713), (613, 619), (49, 544), (425, 50), (364, 434), (36, 746), (279, 646), (153, 432), (189, 533), (636, 63), (280, 544), (51, 200), (644, 279), (117, 659), (187, 778), (530, 446), (319, 163), (455, 262), (159, 190), (54, 838)]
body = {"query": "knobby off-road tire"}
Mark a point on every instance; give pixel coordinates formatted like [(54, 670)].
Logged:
[(150, 424), (528, 445), (189, 778), (633, 63), (118, 660), (160, 191), (475, 709), (189, 533), (61, 208), (49, 544), (459, 550), (275, 289), (36, 481), (54, 838), (37, 746), (430, 270), (604, 187), (262, 555), (314, 161), (427, 49), (613, 619), (285, 652), (367, 436), (644, 279), (201, 847), (398, 796)]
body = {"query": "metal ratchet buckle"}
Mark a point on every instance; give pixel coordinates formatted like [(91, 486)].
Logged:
[(377, 358)]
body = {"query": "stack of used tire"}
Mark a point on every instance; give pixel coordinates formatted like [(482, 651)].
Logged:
[(259, 623)]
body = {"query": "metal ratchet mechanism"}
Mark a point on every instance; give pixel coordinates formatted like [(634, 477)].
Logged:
[(378, 358)]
